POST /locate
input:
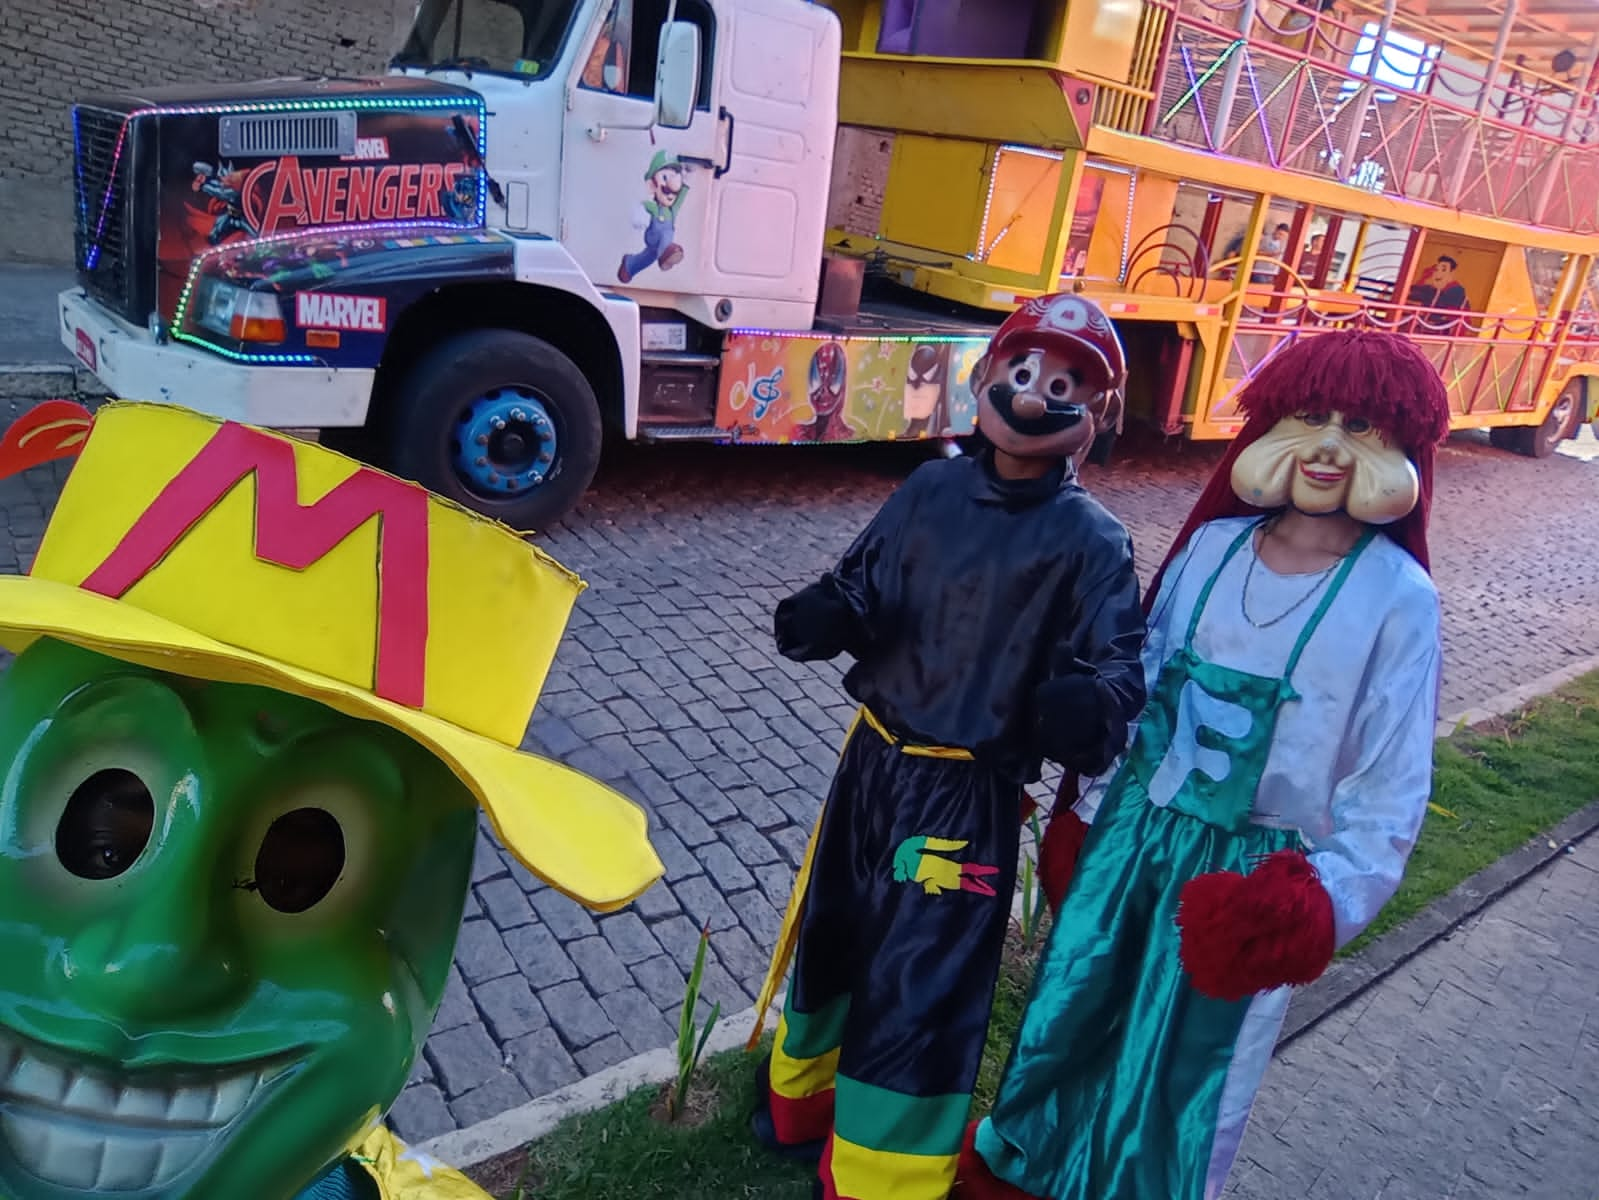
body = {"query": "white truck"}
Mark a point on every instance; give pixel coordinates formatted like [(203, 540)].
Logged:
[(550, 216)]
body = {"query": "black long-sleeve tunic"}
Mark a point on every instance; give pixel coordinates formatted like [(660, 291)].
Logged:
[(968, 591)]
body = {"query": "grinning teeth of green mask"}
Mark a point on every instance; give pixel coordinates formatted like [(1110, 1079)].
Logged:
[(95, 1130)]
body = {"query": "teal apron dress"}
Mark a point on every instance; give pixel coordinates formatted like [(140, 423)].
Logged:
[(1117, 1072)]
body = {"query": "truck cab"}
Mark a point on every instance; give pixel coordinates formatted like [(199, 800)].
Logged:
[(464, 270), (679, 150)]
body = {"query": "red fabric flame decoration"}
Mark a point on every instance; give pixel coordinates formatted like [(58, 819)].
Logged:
[(52, 430), (1243, 934), (973, 1179), (1057, 857)]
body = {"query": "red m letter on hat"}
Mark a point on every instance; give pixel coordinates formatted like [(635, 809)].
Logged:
[(295, 535)]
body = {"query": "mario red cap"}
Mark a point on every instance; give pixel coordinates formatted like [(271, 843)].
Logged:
[(1074, 325)]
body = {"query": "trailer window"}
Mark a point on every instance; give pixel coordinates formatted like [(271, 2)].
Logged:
[(1377, 270), (505, 37), (1545, 268)]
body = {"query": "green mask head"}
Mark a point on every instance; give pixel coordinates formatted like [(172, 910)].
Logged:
[(227, 915)]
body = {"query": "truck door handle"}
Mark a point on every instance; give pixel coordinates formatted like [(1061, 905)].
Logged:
[(731, 124)]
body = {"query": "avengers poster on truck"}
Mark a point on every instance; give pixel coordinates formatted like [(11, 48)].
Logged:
[(821, 388), (409, 166)]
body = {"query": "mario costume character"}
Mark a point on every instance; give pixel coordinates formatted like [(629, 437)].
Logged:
[(656, 218), (992, 610), (250, 726), (1265, 811)]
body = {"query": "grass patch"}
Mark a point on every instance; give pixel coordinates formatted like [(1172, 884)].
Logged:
[(1501, 784), (1505, 782)]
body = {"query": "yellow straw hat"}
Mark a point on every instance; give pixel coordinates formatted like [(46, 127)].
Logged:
[(224, 552)]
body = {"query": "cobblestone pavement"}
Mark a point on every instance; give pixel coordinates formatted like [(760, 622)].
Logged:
[(1471, 1073), (668, 685)]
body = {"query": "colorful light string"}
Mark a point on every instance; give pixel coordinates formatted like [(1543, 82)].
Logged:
[(181, 312), (358, 103)]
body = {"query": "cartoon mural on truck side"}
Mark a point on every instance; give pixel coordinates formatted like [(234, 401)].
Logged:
[(926, 376), (656, 218), (828, 385), (825, 388)]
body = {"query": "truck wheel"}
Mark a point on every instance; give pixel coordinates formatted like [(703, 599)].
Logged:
[(1541, 441), (500, 422)]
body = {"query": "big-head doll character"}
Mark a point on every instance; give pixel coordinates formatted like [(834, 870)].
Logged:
[(261, 695), (992, 610), (1265, 810)]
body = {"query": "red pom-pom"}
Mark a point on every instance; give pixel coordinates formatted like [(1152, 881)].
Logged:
[(1057, 857), (1243, 934), (973, 1179)]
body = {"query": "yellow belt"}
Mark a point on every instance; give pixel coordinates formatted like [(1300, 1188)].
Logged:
[(877, 727), (783, 952)]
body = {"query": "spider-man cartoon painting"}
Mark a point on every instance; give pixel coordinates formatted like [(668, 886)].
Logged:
[(829, 376)]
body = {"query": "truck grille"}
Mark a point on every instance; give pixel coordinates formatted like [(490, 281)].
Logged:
[(296, 134), (102, 202)]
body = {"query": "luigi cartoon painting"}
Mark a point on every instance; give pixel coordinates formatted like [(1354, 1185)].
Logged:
[(260, 696), (656, 217)]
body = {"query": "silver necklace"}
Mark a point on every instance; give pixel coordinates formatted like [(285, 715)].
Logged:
[(1249, 577)]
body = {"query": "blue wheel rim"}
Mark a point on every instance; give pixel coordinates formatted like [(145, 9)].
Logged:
[(506, 443)]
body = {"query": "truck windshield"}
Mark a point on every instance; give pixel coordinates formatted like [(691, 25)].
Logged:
[(505, 37)]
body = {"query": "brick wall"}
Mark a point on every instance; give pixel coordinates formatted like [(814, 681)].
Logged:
[(71, 48)]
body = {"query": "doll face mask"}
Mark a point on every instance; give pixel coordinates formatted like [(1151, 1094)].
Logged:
[(1036, 401), (229, 917), (1323, 463)]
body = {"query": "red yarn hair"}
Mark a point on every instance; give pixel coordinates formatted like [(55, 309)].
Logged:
[(1382, 377)]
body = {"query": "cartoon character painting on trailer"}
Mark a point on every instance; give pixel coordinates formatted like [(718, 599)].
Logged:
[(829, 389), (926, 376), (992, 611), (1266, 809), (656, 218), (255, 710)]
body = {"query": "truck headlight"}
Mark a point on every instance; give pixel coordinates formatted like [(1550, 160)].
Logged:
[(241, 314)]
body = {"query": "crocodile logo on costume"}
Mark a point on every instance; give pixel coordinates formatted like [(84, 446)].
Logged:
[(920, 860)]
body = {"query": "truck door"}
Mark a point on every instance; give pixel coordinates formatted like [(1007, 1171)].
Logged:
[(635, 199), (777, 107)]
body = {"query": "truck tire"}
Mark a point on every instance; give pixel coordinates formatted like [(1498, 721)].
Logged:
[(1540, 441), (500, 422)]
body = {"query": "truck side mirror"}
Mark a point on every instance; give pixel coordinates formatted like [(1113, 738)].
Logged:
[(677, 74)]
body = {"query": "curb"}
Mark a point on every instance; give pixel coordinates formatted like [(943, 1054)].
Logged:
[(1519, 697), (476, 1144), (48, 381), (1347, 980)]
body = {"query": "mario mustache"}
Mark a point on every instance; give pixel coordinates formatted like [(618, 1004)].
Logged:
[(1029, 414)]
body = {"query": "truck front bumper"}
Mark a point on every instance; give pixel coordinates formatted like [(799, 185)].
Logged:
[(134, 366)]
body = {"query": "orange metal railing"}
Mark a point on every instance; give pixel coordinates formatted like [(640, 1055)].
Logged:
[(1460, 136)]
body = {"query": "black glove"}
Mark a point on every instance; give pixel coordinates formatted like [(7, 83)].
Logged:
[(1069, 723), (815, 623)]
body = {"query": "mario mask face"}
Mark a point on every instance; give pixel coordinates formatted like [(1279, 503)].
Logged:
[(226, 917), (1323, 463), (1036, 401)]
